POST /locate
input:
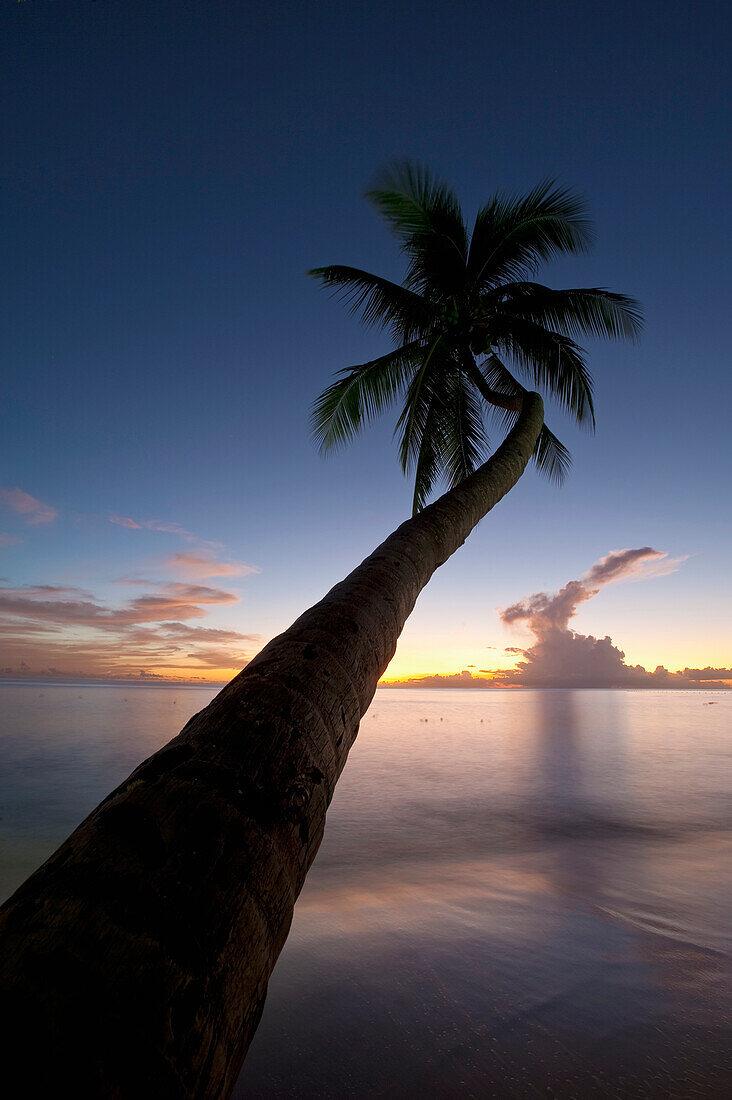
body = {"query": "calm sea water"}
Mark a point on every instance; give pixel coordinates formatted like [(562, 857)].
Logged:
[(519, 893)]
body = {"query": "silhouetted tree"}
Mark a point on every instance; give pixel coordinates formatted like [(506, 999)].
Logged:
[(135, 961), (465, 308)]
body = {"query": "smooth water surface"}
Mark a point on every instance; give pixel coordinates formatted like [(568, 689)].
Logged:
[(520, 893)]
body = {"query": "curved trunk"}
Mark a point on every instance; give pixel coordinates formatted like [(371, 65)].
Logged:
[(136, 959), (511, 401)]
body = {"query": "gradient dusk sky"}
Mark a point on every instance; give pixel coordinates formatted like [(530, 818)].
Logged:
[(170, 172)]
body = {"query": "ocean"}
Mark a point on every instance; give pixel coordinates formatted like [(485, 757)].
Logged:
[(520, 893)]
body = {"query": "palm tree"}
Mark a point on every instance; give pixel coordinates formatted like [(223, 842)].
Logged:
[(466, 306), (136, 959)]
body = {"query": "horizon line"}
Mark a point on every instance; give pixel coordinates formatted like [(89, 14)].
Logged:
[(479, 683)]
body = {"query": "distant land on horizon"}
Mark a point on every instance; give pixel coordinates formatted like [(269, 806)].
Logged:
[(694, 679), (686, 679)]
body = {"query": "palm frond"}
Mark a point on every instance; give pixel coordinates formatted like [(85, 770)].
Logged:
[(513, 235), (499, 377), (550, 455), (429, 453), (462, 297), (380, 302), (465, 439), (426, 217), (359, 395), (552, 361), (448, 436), (591, 311), (443, 432), (411, 422), (415, 203)]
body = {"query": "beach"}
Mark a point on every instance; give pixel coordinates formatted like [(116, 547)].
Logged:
[(519, 892)]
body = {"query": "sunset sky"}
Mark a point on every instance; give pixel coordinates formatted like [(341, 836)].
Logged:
[(171, 171)]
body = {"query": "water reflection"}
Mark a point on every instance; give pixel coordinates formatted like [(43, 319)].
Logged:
[(560, 779), (528, 897), (492, 933)]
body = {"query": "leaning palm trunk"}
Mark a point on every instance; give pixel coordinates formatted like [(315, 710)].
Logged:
[(136, 959)]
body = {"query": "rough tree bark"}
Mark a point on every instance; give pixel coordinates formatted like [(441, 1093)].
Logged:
[(135, 961)]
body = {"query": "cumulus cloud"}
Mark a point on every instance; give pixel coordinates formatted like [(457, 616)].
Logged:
[(544, 612), (34, 512), (560, 657), (702, 675)]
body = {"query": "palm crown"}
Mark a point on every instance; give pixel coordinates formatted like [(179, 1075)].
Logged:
[(465, 311)]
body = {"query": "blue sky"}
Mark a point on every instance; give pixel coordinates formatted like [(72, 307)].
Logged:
[(171, 171)]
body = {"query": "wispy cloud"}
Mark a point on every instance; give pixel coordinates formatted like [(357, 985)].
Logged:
[(49, 603), (61, 630), (201, 566), (33, 511), (165, 527), (125, 521), (544, 612), (57, 630), (10, 540)]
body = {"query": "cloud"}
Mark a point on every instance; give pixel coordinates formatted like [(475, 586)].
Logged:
[(157, 606), (60, 632), (704, 674), (200, 566), (560, 657), (167, 528), (34, 511), (10, 540), (50, 603), (205, 633), (464, 679), (125, 521), (49, 590), (543, 612)]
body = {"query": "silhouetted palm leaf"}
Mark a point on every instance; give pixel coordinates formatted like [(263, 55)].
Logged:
[(550, 455), (464, 299), (589, 312), (467, 444), (428, 452), (419, 398), (553, 362), (360, 395), (514, 235), (380, 302), (425, 216)]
